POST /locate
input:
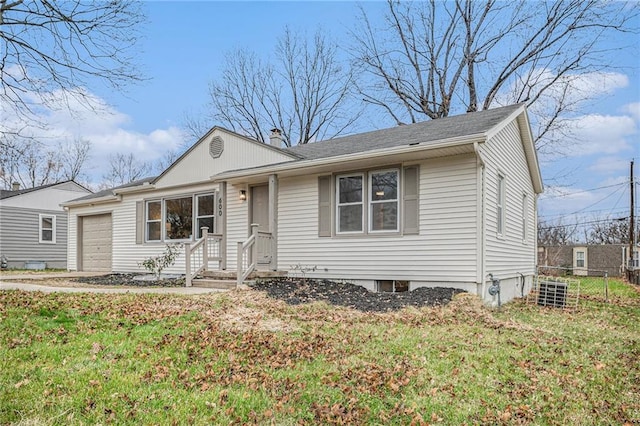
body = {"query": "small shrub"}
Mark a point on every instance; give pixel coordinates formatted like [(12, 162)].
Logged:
[(156, 264)]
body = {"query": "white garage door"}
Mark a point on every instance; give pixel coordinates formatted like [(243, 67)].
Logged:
[(96, 243)]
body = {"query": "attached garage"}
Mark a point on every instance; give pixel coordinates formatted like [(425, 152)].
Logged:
[(94, 243)]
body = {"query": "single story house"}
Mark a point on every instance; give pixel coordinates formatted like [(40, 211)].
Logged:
[(33, 224), (445, 202), (585, 259)]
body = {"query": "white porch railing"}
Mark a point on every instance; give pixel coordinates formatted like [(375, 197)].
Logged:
[(252, 252), (207, 249)]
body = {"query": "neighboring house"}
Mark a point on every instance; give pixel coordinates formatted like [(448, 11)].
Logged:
[(585, 260), (33, 224), (440, 203)]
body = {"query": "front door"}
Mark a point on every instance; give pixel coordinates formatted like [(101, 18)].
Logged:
[(260, 215), (260, 207)]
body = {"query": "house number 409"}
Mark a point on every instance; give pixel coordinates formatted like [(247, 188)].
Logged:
[(219, 206)]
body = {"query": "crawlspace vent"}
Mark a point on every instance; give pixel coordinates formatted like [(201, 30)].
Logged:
[(216, 146)]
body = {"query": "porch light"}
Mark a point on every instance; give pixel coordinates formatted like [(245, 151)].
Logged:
[(243, 195)]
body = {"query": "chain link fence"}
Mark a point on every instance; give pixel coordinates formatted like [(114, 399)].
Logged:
[(558, 287)]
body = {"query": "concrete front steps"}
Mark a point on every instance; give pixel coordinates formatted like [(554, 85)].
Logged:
[(226, 280)]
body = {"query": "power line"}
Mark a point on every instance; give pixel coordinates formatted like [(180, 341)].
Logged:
[(591, 222), (583, 190), (562, 215)]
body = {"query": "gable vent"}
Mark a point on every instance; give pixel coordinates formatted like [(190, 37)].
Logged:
[(216, 146)]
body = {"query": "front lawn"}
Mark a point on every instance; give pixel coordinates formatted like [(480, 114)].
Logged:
[(241, 357)]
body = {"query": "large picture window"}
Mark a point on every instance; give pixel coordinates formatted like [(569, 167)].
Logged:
[(350, 203), (179, 218), (47, 231), (383, 204)]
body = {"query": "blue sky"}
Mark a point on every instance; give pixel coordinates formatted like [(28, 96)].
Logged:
[(183, 49)]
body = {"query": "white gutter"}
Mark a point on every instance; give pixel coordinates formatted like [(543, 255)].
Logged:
[(138, 188), (481, 221), (305, 164), (98, 200)]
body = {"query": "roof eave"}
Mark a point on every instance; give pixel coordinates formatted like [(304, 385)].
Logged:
[(90, 202), (133, 189), (380, 153)]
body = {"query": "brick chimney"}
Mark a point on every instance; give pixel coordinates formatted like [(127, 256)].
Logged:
[(276, 138), (15, 186)]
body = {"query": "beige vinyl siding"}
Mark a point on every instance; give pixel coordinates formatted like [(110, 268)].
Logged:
[(507, 254), (126, 253), (238, 153), (443, 251), (237, 222), (19, 239)]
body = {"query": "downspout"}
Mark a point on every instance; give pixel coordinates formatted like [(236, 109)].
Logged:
[(480, 221)]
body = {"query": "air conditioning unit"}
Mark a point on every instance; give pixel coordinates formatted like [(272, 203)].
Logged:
[(552, 293)]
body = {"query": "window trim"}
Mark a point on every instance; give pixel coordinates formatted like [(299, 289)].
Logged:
[(196, 217), (362, 203), (371, 201), (52, 229), (147, 221), (501, 201), (525, 222)]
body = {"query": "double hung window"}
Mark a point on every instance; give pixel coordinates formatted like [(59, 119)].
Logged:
[(47, 231), (350, 203), (383, 204), (205, 213)]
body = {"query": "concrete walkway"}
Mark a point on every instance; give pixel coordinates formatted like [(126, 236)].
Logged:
[(42, 282)]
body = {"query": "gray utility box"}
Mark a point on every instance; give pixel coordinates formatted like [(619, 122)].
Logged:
[(552, 293)]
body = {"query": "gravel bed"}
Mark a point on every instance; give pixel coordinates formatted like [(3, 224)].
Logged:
[(297, 291), (129, 280)]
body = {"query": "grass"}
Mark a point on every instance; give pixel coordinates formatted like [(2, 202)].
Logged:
[(240, 357)]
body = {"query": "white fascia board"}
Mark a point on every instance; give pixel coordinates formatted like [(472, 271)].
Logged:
[(380, 153), (132, 189), (98, 200), (522, 119)]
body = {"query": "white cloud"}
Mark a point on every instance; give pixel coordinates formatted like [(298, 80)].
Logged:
[(600, 134), (574, 89), (632, 109), (609, 165), (61, 117)]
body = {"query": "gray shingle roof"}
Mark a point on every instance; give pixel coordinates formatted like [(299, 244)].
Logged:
[(4, 193), (109, 191), (424, 132)]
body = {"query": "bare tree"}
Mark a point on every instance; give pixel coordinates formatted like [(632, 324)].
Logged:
[(614, 231), (52, 49), (73, 158), (125, 168), (556, 233), (32, 164), (432, 58), (303, 92)]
